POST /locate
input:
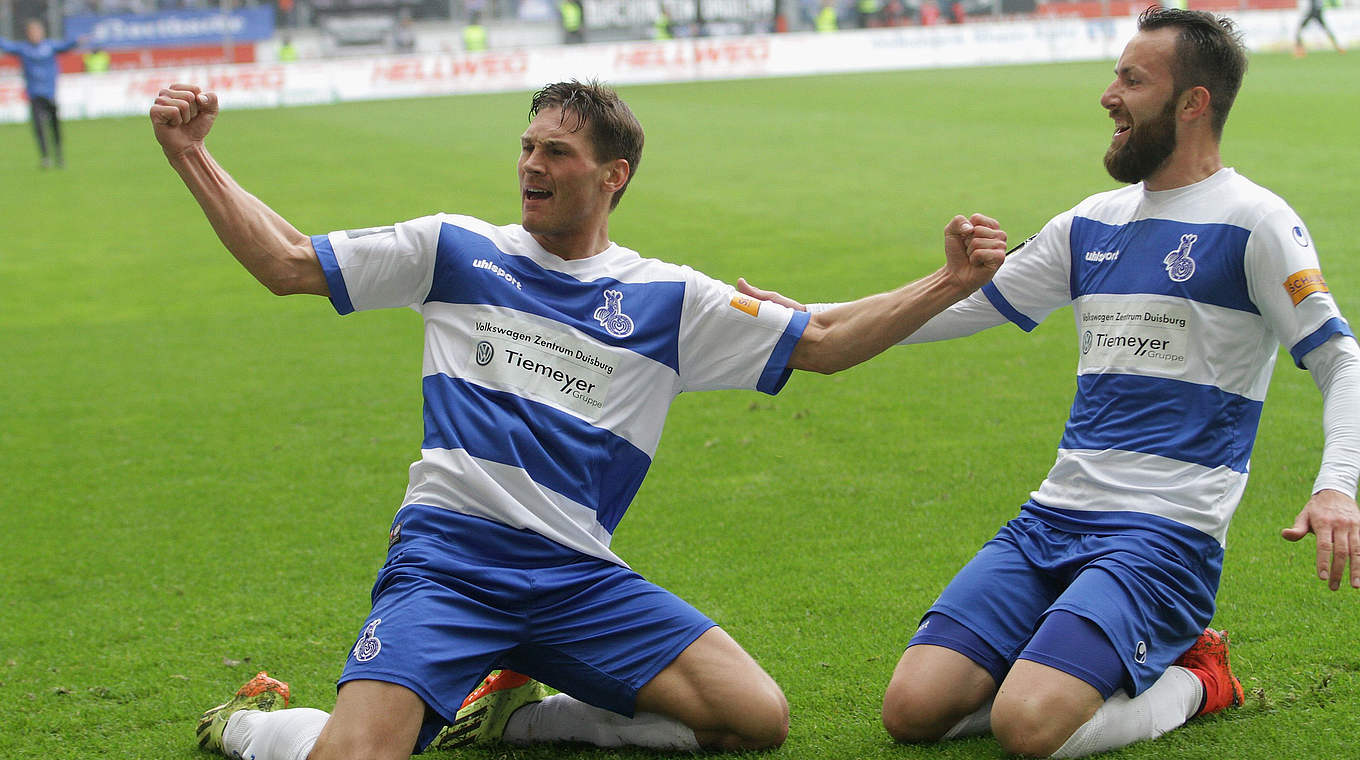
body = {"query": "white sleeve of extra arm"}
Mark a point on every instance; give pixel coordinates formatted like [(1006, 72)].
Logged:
[(1335, 366), (971, 315)]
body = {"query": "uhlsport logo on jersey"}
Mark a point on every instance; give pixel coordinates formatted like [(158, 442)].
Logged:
[(611, 316), (498, 271), (369, 645), (1140, 653), (1179, 266)]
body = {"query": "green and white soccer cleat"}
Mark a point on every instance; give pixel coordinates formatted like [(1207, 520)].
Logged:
[(260, 693), (488, 708)]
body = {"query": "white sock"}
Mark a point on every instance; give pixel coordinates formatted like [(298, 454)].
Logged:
[(562, 718), (1121, 721), (281, 735), (976, 723)]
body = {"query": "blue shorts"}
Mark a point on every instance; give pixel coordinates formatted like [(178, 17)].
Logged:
[(1064, 641), (461, 596), (1146, 582)]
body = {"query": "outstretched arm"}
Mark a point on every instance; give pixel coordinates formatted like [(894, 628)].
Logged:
[(852, 333), (74, 42), (1331, 514), (271, 249)]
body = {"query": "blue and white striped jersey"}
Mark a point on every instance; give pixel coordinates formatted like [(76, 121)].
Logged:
[(1181, 299), (547, 382)]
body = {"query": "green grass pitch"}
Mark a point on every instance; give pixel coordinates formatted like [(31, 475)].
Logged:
[(196, 477)]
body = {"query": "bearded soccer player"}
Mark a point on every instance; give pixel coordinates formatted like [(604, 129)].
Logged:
[(552, 355), (1082, 626)]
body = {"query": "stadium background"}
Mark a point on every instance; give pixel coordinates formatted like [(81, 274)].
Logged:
[(319, 51), (196, 478)]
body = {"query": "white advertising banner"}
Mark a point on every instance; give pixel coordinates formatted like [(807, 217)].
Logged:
[(119, 93)]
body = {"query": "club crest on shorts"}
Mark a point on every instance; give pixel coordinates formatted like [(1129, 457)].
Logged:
[(1179, 266), (611, 316), (1140, 653), (369, 645)]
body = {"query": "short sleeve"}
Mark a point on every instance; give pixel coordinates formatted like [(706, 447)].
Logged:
[(729, 340), (379, 267), (1035, 280)]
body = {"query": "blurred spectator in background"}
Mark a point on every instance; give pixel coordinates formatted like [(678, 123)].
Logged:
[(826, 17), (894, 13), (38, 59), (1314, 14), (869, 13), (572, 29), (663, 28), (474, 34), (957, 15), (287, 50), (97, 61), (930, 13), (404, 35)]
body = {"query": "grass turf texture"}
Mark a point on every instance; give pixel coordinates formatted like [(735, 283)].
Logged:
[(197, 478)]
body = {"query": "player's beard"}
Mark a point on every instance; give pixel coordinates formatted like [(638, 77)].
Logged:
[(1148, 146)]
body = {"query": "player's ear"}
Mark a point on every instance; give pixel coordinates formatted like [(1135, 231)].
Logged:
[(1194, 103), (616, 174)]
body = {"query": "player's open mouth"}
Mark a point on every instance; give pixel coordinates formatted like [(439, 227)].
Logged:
[(534, 194)]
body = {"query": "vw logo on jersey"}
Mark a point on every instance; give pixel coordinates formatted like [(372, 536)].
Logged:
[(1179, 266), (1140, 653), (611, 316), (1086, 342), (369, 645), (485, 352), (1300, 236)]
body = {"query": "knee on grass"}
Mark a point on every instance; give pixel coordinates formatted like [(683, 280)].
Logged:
[(761, 723), (1031, 728), (912, 715)]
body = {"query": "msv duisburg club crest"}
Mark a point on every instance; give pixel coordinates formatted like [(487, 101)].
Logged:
[(1179, 266), (368, 645), (611, 316)]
